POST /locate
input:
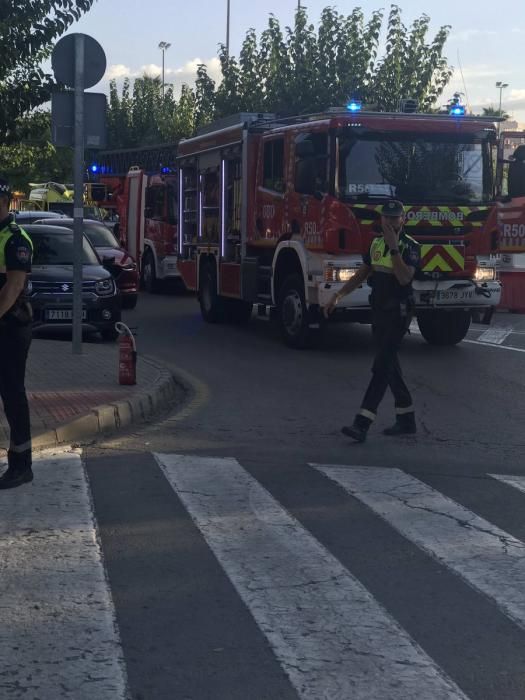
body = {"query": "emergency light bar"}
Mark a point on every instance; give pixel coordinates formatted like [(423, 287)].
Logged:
[(354, 106), (457, 111)]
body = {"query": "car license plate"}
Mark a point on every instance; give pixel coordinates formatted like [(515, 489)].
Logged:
[(455, 295), (62, 314)]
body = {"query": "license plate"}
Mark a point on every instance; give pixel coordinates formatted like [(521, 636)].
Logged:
[(455, 295), (62, 314)]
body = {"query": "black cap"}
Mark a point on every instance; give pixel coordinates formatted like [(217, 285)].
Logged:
[(5, 187), (393, 208)]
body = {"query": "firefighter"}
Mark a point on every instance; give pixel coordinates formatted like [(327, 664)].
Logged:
[(389, 266), (16, 251)]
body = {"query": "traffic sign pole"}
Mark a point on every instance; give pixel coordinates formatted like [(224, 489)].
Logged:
[(78, 212)]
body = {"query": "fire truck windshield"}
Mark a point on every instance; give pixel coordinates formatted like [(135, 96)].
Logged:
[(428, 169)]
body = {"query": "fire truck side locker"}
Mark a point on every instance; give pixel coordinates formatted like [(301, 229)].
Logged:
[(135, 218)]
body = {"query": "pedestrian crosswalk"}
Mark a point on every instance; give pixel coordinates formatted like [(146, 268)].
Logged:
[(327, 631)]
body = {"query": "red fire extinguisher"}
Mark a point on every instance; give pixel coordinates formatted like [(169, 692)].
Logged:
[(127, 361)]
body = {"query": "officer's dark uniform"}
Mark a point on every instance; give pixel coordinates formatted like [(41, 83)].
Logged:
[(16, 252), (392, 309)]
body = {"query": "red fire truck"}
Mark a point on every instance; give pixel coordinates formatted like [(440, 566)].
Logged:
[(145, 199), (278, 213)]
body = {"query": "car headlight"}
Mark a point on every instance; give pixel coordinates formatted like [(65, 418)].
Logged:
[(105, 288), (338, 274), (485, 274)]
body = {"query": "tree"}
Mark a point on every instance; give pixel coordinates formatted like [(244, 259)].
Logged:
[(494, 112), (33, 158), (304, 70), (27, 30)]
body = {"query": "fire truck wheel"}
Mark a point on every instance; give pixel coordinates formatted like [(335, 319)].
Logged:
[(293, 313), (149, 274), (239, 312), (212, 305), (444, 327)]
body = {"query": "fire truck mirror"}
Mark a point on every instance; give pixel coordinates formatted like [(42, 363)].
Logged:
[(516, 183)]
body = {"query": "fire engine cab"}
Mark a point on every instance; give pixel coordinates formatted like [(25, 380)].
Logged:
[(278, 213)]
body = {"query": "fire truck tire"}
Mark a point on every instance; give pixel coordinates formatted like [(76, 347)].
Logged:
[(148, 273), (444, 327), (239, 312), (293, 313), (212, 305)]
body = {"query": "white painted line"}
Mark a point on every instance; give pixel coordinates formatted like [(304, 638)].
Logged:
[(58, 636), (517, 482), (330, 635), (489, 559), (496, 347), (496, 335)]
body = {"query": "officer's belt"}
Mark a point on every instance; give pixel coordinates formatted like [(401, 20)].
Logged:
[(382, 268)]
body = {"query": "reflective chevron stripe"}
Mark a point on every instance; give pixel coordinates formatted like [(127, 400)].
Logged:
[(446, 258)]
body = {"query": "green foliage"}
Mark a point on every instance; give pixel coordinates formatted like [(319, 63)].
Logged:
[(297, 70), (494, 112), (33, 158), (302, 70), (28, 28)]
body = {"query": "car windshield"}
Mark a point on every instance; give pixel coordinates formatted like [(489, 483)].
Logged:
[(427, 169), (100, 236), (56, 248)]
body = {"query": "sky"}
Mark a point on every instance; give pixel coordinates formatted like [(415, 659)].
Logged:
[(488, 42)]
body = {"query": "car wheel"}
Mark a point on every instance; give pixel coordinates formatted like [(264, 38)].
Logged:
[(149, 273), (109, 334), (129, 301)]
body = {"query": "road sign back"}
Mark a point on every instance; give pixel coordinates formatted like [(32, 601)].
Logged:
[(63, 61)]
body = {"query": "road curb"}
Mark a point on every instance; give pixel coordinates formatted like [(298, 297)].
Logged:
[(172, 387)]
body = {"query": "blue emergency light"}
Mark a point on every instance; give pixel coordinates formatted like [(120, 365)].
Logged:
[(457, 111), (354, 106), (94, 168)]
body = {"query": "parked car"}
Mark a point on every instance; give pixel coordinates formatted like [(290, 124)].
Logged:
[(51, 283), (124, 268), (29, 217)]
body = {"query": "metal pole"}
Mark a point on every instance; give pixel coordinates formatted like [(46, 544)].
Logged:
[(228, 28), (163, 51), (78, 211)]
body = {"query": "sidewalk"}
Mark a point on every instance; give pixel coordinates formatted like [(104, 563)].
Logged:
[(74, 398)]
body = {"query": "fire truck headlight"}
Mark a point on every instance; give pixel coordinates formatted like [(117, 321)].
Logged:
[(344, 274), (485, 274), (338, 274)]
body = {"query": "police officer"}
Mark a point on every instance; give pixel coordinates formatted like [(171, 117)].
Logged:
[(389, 266), (16, 252)]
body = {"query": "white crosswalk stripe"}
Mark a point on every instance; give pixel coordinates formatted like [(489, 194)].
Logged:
[(488, 558), (517, 482), (330, 635), (58, 637)]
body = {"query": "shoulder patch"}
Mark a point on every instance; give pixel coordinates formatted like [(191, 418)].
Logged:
[(23, 254)]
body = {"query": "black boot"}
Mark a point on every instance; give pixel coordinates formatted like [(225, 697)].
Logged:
[(405, 425), (359, 428), (18, 471)]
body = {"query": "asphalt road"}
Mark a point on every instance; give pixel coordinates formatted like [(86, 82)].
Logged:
[(253, 552)]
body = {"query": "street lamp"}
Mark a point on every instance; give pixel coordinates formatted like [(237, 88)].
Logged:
[(501, 86), (228, 29), (163, 46)]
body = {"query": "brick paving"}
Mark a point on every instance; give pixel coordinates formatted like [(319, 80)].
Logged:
[(62, 386)]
